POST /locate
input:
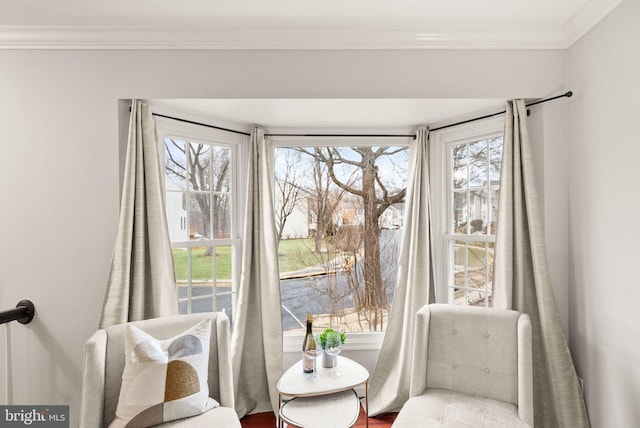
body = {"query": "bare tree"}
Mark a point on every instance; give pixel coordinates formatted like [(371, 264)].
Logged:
[(324, 200), (289, 192), (204, 169), (376, 198)]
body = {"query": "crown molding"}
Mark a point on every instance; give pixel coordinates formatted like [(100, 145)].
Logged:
[(238, 35), (266, 37), (588, 17)]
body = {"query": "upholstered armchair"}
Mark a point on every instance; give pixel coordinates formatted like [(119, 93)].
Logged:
[(104, 364), (472, 367)]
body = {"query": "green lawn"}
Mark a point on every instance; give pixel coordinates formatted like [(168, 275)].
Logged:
[(294, 254), (201, 264)]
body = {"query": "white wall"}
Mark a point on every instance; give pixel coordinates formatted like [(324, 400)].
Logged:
[(60, 178), (604, 72)]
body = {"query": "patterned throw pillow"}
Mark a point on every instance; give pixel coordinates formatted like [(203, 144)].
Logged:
[(164, 380)]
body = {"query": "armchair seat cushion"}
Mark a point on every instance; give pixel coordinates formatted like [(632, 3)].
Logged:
[(220, 417), (443, 408)]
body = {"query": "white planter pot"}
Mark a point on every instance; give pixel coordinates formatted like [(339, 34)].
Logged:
[(329, 361)]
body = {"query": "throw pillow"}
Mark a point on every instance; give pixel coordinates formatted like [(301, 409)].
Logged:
[(164, 380)]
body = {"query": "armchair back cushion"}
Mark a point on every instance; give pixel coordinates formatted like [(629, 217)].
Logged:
[(474, 351)]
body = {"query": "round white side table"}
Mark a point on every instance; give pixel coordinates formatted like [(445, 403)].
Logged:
[(327, 402)]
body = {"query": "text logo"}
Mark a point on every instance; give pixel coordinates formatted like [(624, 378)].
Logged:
[(34, 416)]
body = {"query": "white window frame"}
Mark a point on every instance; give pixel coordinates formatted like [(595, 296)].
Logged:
[(441, 203), (356, 341), (237, 143)]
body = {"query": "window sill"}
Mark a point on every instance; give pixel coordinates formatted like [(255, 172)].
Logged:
[(354, 342)]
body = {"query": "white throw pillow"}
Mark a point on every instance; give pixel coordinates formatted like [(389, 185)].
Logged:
[(164, 380)]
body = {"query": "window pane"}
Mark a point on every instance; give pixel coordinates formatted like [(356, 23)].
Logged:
[(176, 164), (460, 212), (202, 297), (477, 265), (223, 266), (199, 167), (478, 154), (181, 265), (221, 174), (201, 281), (199, 216), (224, 285), (339, 214), (478, 211), (495, 194), (460, 297), (221, 216), (495, 156), (490, 253), (201, 266), (459, 162), (460, 263), (177, 216)]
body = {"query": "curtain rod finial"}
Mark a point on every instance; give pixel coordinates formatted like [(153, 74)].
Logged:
[(569, 94)]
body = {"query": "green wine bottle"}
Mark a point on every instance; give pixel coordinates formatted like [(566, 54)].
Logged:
[(309, 348)]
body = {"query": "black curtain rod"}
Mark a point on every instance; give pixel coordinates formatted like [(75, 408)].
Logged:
[(566, 94), (202, 124), (23, 313), (345, 135)]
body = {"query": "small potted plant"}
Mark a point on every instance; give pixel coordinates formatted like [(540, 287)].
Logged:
[(331, 342)]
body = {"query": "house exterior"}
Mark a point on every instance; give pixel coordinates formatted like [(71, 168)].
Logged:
[(176, 213), (301, 224)]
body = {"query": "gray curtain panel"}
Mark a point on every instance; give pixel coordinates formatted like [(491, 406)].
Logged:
[(521, 280), (389, 385), (142, 281), (256, 342)]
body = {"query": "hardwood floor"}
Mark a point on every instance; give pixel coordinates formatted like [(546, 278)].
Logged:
[(268, 420)]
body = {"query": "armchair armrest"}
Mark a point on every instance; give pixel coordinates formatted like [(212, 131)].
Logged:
[(225, 376), (419, 356), (94, 381), (525, 370)]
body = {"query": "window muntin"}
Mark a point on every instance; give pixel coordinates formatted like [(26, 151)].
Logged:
[(328, 233), (201, 182), (472, 192)]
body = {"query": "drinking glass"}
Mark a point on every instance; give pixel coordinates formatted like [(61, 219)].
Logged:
[(333, 346), (314, 354)]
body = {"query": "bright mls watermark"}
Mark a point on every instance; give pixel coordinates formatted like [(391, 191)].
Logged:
[(34, 416)]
